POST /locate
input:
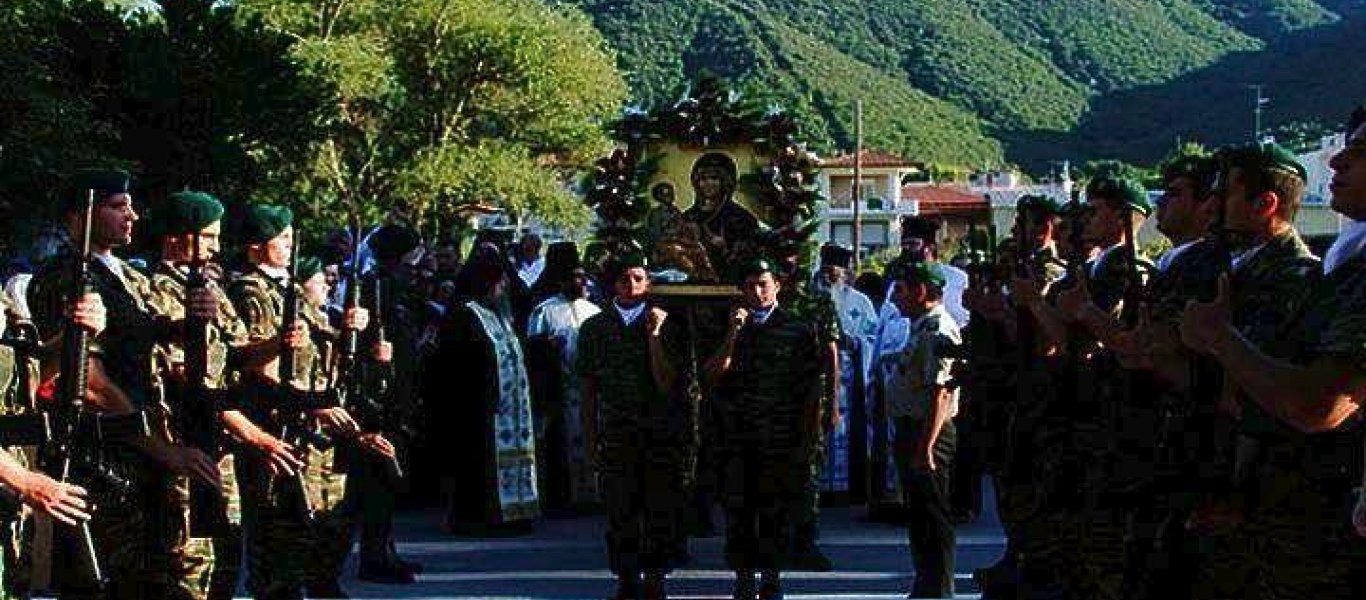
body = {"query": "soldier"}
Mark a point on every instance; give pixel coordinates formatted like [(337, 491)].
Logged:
[(767, 378), (1283, 308), (33, 489), (640, 401), (391, 389), (922, 406), (805, 303), (292, 523), (129, 531), (205, 561)]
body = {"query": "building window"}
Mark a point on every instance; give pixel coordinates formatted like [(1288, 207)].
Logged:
[(874, 233)]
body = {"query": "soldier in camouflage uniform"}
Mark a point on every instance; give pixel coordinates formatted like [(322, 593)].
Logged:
[(1290, 475), (1090, 424), (205, 561), (640, 401), (32, 490), (816, 308), (293, 529), (1009, 385), (768, 387), (129, 530)]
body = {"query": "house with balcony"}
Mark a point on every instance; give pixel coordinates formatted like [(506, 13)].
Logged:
[(881, 202)]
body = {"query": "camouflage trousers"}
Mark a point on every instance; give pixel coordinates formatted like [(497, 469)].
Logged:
[(1299, 546), (646, 491), (764, 492), (206, 568), (807, 519), (296, 533)]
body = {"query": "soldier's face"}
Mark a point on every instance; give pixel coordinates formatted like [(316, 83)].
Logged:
[(761, 291), (317, 289), (112, 224), (1177, 210), (1241, 212), (909, 298), (1104, 224), (277, 250), (632, 285), (1349, 179)]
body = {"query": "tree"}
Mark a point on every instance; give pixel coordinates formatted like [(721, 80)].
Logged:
[(435, 103)]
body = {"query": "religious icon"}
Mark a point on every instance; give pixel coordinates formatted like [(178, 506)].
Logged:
[(727, 229), (678, 243)]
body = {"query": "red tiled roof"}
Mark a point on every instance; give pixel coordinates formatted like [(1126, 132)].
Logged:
[(935, 199), (871, 158)]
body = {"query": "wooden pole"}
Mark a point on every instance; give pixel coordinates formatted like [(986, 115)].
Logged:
[(858, 186)]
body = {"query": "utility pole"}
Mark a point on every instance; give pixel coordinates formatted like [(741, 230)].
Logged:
[(858, 185), (1258, 103)]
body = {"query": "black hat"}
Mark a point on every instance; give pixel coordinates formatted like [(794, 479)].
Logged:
[(836, 256), (104, 182), (919, 227), (561, 259), (393, 241)]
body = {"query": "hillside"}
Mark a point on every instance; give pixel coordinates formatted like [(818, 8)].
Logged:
[(950, 80)]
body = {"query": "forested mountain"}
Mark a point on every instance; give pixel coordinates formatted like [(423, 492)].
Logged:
[(978, 82)]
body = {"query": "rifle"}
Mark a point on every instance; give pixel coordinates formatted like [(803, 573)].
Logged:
[(68, 448), (292, 412), (198, 411)]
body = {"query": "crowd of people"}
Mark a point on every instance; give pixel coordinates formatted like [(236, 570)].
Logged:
[(1187, 427)]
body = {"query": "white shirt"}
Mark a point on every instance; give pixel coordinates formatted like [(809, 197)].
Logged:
[(1245, 256), (1165, 261), (1347, 246), (531, 272), (955, 282), (559, 317), (629, 315), (276, 273), (1100, 260)]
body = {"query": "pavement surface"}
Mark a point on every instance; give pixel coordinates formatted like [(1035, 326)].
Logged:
[(564, 559)]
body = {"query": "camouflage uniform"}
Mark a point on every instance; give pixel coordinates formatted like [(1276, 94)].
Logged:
[(769, 401), (818, 310), (285, 550), (1269, 290), (647, 439), (202, 567), (127, 528), (15, 519)]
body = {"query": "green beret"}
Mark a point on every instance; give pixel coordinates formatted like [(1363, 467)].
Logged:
[(188, 212), (1040, 203), (1200, 169), (620, 264), (925, 272), (1123, 190), (264, 222), (308, 267), (1268, 157), (756, 267), (105, 183)]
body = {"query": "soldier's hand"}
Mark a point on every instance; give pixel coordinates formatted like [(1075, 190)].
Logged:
[(654, 321), (1201, 322), (279, 456), (1359, 515), (203, 304), (62, 501), (1025, 290), (89, 313), (298, 336), (383, 352), (738, 318), (1072, 301), (376, 443), (356, 318), (192, 462), (337, 420)]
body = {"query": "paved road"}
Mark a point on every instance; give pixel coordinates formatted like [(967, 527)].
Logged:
[(563, 560)]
